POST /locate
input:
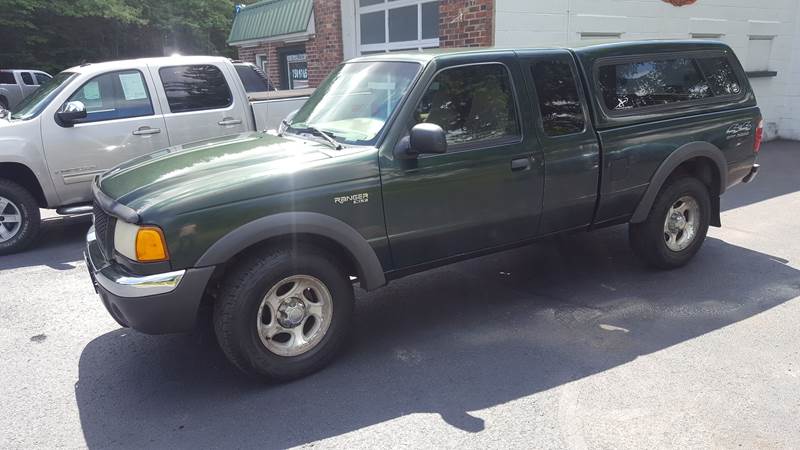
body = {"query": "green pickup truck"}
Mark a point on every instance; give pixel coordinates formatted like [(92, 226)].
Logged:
[(402, 162)]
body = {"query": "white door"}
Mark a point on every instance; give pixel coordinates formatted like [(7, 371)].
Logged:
[(200, 102), (28, 84), (123, 122)]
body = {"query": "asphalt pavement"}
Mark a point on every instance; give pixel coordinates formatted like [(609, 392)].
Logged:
[(568, 343)]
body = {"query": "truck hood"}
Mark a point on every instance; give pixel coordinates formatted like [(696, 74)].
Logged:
[(213, 172)]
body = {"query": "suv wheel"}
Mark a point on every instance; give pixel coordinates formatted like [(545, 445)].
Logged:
[(19, 217), (284, 314), (676, 226)]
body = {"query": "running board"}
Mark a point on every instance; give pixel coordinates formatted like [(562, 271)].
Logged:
[(74, 209)]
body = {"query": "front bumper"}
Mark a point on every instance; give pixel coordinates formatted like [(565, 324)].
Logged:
[(153, 304)]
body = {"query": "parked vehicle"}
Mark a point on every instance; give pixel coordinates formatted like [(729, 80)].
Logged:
[(400, 163), (15, 85), (90, 118)]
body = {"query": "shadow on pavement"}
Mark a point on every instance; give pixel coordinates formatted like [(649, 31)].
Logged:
[(778, 176), (61, 240), (450, 341)]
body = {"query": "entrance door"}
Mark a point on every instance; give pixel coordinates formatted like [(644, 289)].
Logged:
[(486, 190), (294, 68)]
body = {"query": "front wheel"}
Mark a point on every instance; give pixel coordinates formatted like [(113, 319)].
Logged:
[(676, 226), (285, 313), (19, 217)]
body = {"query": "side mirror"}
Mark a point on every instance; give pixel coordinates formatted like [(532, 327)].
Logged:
[(424, 138), (70, 113)]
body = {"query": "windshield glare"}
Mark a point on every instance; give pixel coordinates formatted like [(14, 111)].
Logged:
[(356, 100), (36, 102)]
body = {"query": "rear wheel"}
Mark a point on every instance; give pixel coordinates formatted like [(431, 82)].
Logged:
[(19, 217), (3, 103), (676, 226), (284, 314)]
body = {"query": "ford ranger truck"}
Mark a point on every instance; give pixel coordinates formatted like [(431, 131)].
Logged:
[(403, 162), (90, 118)]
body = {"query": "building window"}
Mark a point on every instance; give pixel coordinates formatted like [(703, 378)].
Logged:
[(759, 51), (397, 25)]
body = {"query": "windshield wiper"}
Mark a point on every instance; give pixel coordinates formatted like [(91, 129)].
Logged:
[(317, 132)]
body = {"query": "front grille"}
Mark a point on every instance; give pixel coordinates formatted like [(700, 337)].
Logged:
[(104, 230)]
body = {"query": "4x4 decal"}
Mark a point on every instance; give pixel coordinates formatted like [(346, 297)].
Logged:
[(739, 130)]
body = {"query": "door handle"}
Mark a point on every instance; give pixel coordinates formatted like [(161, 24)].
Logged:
[(146, 130), (520, 164), (229, 121)]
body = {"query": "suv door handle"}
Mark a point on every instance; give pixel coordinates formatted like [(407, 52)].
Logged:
[(520, 164), (146, 130), (229, 121)]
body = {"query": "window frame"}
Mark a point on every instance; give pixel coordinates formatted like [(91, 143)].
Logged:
[(146, 88), (166, 95), (386, 46), (582, 99), (484, 144), (669, 107)]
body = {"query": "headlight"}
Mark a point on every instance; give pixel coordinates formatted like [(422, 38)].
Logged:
[(142, 244)]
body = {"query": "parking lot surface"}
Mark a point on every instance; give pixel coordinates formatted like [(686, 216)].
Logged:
[(570, 342)]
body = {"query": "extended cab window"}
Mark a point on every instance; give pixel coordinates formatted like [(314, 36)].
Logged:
[(471, 103), (651, 82), (559, 104), (114, 95), (195, 87), (27, 78), (720, 75)]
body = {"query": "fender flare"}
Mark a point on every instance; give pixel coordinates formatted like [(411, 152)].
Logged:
[(675, 159), (370, 270)]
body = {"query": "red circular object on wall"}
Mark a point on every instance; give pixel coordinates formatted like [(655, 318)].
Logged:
[(680, 2)]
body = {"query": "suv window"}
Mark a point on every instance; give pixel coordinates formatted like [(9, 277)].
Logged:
[(471, 103), (651, 82), (195, 87), (720, 75), (41, 78), (27, 78), (559, 104), (114, 95), (7, 78)]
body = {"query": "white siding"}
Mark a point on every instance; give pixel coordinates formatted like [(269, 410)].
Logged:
[(527, 23)]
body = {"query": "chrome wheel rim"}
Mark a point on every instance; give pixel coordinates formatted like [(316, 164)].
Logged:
[(295, 315), (682, 223), (10, 219)]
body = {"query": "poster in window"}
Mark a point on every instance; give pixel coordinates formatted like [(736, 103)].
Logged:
[(297, 67)]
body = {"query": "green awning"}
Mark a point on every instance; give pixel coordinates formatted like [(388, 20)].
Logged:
[(270, 18)]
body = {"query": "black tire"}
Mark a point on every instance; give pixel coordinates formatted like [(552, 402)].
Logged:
[(236, 311), (648, 238), (3, 103), (24, 202)]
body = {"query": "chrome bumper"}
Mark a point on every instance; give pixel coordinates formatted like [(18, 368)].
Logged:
[(752, 175), (115, 279)]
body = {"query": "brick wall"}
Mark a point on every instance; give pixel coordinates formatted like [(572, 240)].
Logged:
[(324, 50), (466, 23)]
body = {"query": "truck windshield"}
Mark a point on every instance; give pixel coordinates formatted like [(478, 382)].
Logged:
[(40, 98), (355, 101)]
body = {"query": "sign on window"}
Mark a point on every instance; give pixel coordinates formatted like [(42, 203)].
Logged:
[(297, 67)]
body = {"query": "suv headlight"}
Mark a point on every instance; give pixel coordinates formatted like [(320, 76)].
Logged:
[(142, 244)]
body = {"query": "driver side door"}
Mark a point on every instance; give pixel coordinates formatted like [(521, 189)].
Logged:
[(486, 190)]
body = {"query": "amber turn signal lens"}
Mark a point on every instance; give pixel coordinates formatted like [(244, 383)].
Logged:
[(150, 245)]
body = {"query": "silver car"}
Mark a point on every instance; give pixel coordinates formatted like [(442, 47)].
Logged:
[(15, 85)]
